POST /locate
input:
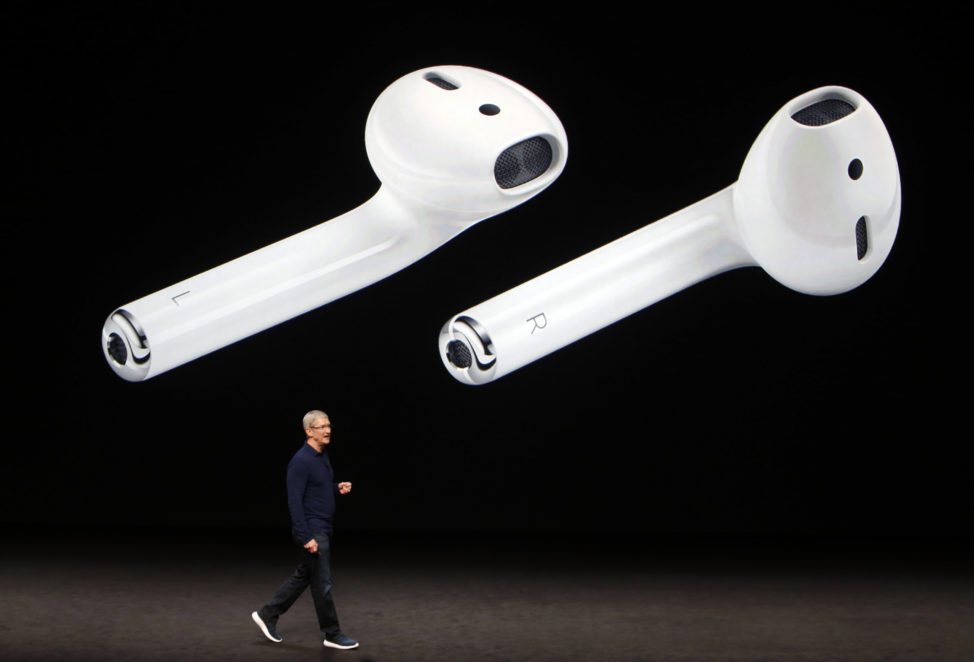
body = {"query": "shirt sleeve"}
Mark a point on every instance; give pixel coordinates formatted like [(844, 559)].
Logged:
[(297, 482)]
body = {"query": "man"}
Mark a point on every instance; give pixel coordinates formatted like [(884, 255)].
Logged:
[(311, 491)]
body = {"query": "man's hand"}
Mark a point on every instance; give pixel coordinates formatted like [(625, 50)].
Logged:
[(344, 488), (312, 546)]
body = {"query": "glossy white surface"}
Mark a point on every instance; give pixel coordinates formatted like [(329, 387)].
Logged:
[(793, 211), (434, 152)]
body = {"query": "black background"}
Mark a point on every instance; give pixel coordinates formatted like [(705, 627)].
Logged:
[(151, 141)]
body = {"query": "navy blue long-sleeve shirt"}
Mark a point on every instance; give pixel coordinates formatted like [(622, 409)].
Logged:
[(311, 491)]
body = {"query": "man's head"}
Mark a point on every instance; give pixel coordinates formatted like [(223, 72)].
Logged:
[(317, 427)]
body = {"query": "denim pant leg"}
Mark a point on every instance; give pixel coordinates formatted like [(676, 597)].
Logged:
[(287, 593), (320, 568)]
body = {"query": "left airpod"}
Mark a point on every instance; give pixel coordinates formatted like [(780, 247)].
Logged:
[(451, 146), (817, 205)]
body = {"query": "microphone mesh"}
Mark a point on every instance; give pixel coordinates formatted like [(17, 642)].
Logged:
[(117, 350), (440, 82), (862, 239), (522, 162), (458, 354), (823, 112)]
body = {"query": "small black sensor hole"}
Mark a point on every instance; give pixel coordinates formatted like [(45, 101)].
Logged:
[(489, 109), (855, 169)]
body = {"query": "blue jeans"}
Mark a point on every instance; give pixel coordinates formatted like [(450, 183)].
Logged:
[(313, 570)]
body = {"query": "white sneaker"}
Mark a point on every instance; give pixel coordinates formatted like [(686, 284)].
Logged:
[(340, 641), (266, 629)]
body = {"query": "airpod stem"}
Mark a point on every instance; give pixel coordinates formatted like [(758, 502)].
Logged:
[(264, 288), (596, 289)]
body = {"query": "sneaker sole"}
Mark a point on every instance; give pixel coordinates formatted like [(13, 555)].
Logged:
[(263, 628), (344, 648)]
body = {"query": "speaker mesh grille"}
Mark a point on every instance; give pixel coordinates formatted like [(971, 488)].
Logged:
[(823, 112), (522, 162)]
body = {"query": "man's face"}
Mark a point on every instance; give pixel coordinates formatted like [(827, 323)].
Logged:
[(320, 431)]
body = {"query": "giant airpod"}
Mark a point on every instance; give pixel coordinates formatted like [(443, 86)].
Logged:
[(817, 205), (451, 146)]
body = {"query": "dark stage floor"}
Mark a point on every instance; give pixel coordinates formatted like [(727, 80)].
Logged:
[(188, 596)]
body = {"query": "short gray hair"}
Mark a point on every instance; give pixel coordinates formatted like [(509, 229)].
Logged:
[(311, 417)]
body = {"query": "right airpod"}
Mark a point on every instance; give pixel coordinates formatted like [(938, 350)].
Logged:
[(817, 206), (817, 203)]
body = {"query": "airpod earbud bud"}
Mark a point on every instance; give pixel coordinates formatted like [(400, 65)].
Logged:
[(451, 146), (817, 205)]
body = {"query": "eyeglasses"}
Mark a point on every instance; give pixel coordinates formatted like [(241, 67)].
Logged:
[(320, 427)]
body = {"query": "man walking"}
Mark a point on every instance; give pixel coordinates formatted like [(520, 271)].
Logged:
[(311, 491)]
